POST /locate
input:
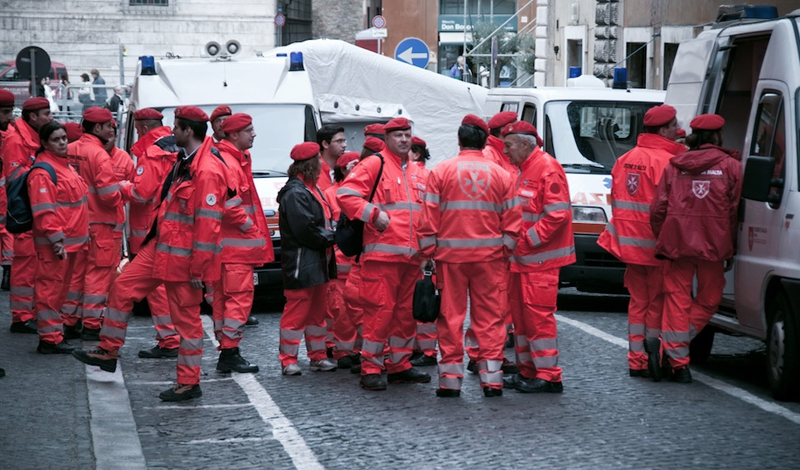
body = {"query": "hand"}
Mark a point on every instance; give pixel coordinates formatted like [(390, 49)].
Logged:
[(427, 265), (59, 250), (382, 222), (196, 283), (728, 264)]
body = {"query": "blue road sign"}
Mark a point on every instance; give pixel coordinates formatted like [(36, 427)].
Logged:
[(412, 51)]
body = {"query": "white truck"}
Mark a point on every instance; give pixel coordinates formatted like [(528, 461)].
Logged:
[(749, 73)]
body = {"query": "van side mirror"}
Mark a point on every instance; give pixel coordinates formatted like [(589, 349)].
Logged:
[(757, 181)]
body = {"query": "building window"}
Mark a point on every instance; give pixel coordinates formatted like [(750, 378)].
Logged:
[(134, 3), (636, 64)]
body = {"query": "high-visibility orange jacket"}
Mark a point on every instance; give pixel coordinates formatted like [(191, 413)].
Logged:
[(494, 152), (60, 211), (244, 226), (470, 212), (122, 164), (325, 179), (399, 194), (19, 148), (343, 263), (3, 196), (635, 176), (189, 229), (546, 241), (155, 156), (95, 167)]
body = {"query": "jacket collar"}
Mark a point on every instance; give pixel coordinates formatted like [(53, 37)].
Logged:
[(496, 143), (149, 139), (532, 159), (28, 134)]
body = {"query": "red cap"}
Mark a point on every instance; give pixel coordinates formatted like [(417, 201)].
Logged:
[(304, 151), (375, 144), (114, 123), (658, 116), (97, 115), (6, 98), (417, 141), (236, 122), (500, 120), (35, 104), (147, 113), (707, 122), (374, 129), (346, 158), (191, 113), (219, 111), (680, 133), (475, 121), (522, 127), (74, 131), (397, 124)]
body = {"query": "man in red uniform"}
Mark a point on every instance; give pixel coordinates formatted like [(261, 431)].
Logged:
[(218, 116), (155, 153), (630, 238), (494, 146), (333, 144), (74, 131), (245, 245), (6, 239), (19, 149), (546, 243), (390, 264), (470, 224), (375, 130), (182, 253), (694, 218)]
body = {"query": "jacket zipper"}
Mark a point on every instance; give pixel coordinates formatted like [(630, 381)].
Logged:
[(297, 263), (410, 212)]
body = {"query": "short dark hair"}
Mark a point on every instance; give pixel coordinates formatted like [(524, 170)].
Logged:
[(698, 138), (326, 133), (26, 115), (85, 76), (88, 126), (422, 150), (470, 137), (338, 174), (46, 131), (309, 168), (198, 128)]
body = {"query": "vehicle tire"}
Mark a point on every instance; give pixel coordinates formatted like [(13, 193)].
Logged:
[(700, 347), (783, 350)]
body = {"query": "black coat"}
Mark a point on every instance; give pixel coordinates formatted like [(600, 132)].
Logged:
[(306, 258)]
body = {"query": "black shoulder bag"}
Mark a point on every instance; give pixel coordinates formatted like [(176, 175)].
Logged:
[(349, 234), (426, 300)]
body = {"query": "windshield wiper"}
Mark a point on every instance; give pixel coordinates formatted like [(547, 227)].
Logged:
[(268, 173), (583, 165)]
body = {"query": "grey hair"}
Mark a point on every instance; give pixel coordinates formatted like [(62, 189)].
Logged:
[(529, 138)]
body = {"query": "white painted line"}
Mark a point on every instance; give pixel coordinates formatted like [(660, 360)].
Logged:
[(196, 407), (282, 429), (226, 441), (731, 390), (167, 382), (115, 440)]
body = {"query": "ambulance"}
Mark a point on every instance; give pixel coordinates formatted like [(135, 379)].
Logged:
[(748, 72)]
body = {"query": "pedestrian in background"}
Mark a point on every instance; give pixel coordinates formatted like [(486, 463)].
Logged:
[(85, 93), (100, 94)]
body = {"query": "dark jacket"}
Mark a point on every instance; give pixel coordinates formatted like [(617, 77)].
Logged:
[(306, 237)]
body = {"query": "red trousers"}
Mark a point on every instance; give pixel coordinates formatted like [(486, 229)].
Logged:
[(6, 247), (231, 302), (646, 287), (532, 299), (351, 294), (426, 339), (303, 315), (166, 335), (23, 273), (105, 251), (52, 284), (685, 316), (346, 322), (485, 283), (184, 303)]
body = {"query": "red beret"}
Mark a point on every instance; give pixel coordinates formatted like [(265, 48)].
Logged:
[(147, 113), (522, 127), (114, 123), (397, 124), (374, 129), (500, 120), (236, 122), (475, 121), (375, 144), (74, 131), (191, 113), (707, 122), (35, 104), (417, 141), (304, 151), (346, 158), (6, 98), (97, 115), (219, 111), (658, 116), (681, 133)]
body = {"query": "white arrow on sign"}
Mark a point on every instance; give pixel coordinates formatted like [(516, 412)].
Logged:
[(409, 55)]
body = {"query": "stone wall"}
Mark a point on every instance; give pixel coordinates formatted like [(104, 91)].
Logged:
[(337, 19)]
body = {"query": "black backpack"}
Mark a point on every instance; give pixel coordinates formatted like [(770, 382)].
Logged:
[(20, 215)]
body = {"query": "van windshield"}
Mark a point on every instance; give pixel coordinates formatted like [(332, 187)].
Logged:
[(589, 136)]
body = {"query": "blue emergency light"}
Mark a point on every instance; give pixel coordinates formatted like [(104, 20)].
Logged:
[(620, 78), (574, 72), (148, 64), (296, 61)]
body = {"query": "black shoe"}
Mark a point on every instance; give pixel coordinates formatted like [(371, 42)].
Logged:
[(472, 366), (424, 361), (681, 375), (509, 367), (653, 348), (230, 359), (72, 332), (329, 353), (447, 393), (49, 348), (489, 392), (157, 352), (97, 357), (509, 341), (90, 334), (538, 385), (409, 376), (510, 381), (644, 373), (355, 369), (372, 382), (251, 320), (27, 326), (180, 392), (348, 362), (5, 284), (416, 355)]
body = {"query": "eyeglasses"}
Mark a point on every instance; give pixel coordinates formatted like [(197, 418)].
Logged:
[(339, 141)]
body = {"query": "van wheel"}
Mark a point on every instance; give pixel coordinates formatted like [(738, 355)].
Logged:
[(700, 347), (783, 350)]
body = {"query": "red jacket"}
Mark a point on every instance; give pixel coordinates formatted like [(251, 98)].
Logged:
[(325, 179), (244, 226), (399, 194), (694, 214), (60, 211), (470, 213), (546, 241), (19, 148), (494, 152), (629, 236), (343, 263), (95, 167)]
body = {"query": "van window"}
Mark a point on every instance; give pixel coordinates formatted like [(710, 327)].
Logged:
[(769, 136), (529, 114), (11, 76), (510, 107)]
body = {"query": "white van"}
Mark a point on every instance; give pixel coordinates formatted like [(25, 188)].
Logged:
[(749, 73), (586, 130)]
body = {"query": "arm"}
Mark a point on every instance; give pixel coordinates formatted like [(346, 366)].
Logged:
[(658, 208), (511, 218), (556, 209), (430, 217), (146, 186), (105, 181), (302, 222), (210, 196), (42, 194), (355, 190)]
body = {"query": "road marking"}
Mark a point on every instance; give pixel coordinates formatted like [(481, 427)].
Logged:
[(731, 390), (196, 407), (115, 440), (282, 428), (226, 441)]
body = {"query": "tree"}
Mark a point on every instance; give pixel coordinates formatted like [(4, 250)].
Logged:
[(515, 51)]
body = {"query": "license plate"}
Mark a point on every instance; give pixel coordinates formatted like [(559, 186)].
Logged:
[(255, 279)]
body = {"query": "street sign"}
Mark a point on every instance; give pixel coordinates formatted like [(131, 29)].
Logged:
[(280, 20), (378, 21), (33, 63), (412, 51)]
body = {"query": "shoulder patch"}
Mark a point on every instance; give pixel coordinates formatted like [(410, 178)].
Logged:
[(211, 199), (555, 188), (42, 190), (140, 170)]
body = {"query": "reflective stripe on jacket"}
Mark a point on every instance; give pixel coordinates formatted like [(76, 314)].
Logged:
[(94, 165)]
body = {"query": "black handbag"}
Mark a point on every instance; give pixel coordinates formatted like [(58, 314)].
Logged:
[(349, 235), (426, 300)]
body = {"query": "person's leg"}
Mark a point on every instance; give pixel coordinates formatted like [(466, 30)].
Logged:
[(450, 324)]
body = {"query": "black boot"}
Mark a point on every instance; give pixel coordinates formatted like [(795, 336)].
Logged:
[(230, 360), (409, 376), (373, 382), (653, 348), (6, 282)]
